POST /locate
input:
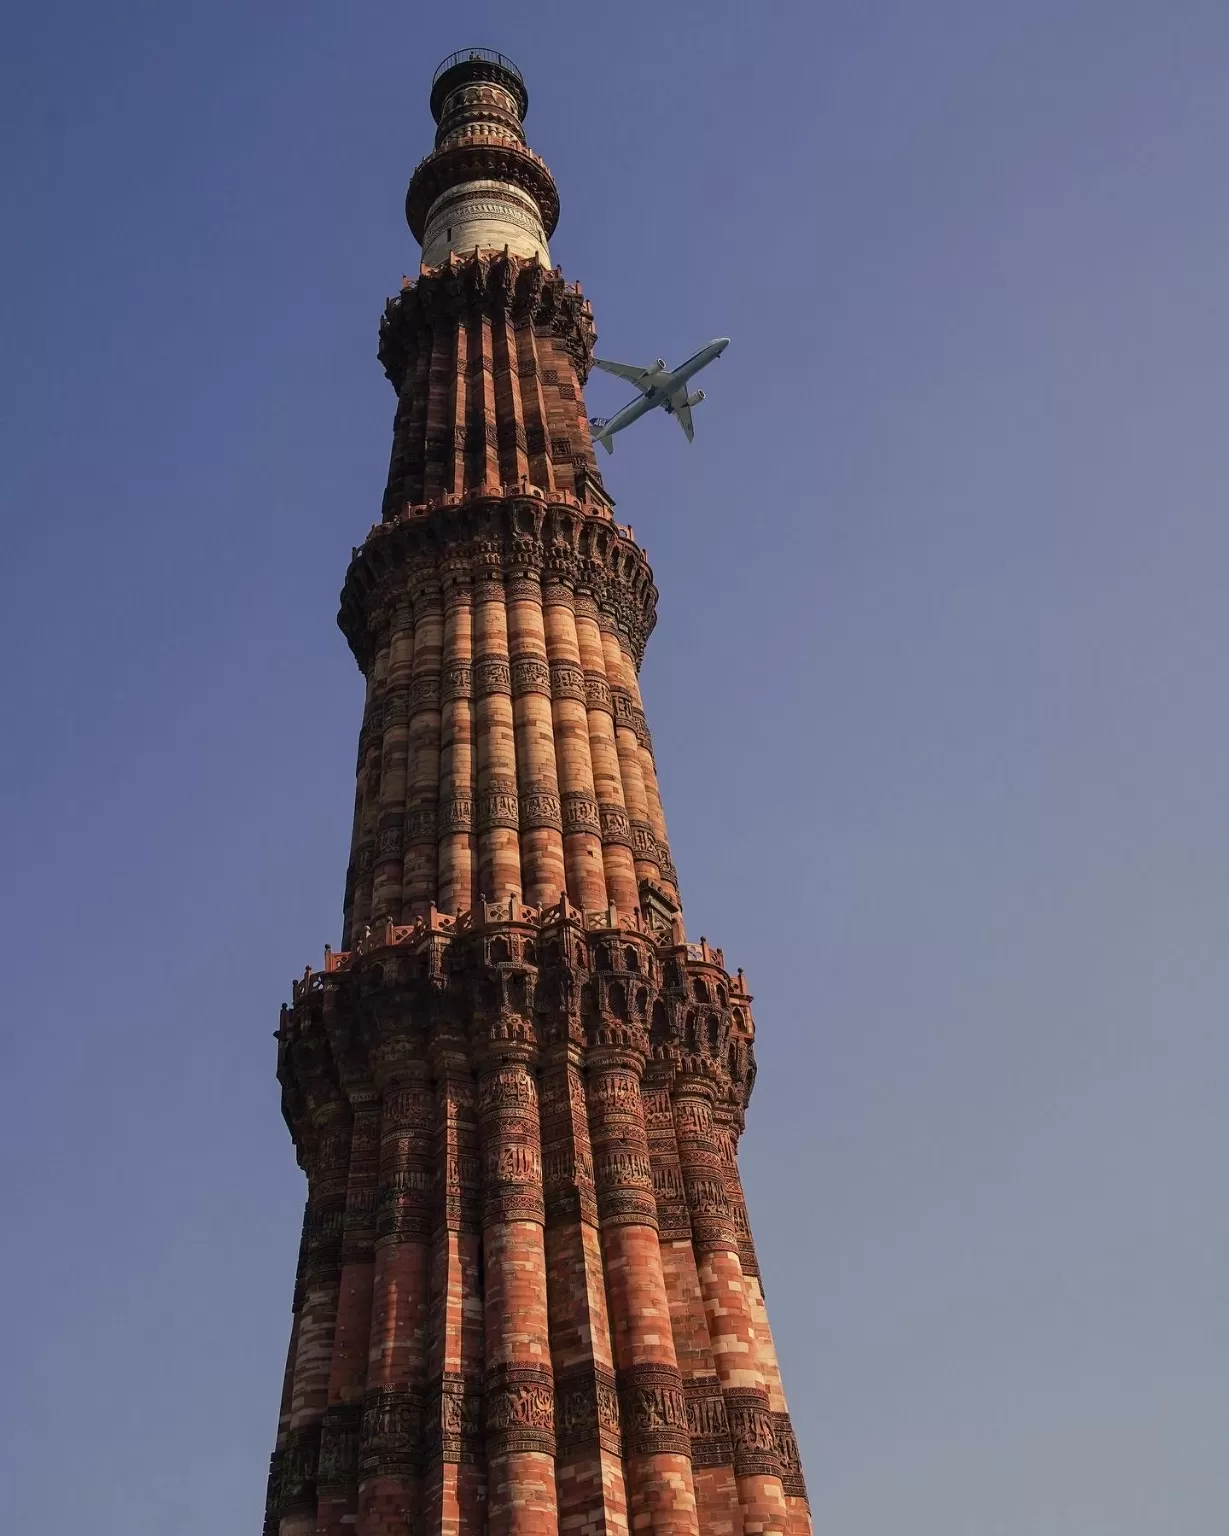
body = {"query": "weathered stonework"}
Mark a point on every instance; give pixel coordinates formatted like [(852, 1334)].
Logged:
[(527, 1300)]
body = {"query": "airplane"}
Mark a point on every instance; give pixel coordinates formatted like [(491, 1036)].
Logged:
[(658, 385)]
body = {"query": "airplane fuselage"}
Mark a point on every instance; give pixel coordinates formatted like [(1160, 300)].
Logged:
[(662, 388)]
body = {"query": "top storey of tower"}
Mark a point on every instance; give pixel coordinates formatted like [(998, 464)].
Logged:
[(481, 187)]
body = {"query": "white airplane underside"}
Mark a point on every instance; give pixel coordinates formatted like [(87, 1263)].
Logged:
[(658, 386)]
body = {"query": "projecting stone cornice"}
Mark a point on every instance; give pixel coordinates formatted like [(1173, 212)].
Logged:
[(553, 539), (493, 285), (509, 971)]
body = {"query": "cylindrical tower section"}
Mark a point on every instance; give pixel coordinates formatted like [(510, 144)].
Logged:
[(482, 187)]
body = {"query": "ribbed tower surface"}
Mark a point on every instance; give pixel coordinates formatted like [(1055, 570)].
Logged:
[(527, 1300)]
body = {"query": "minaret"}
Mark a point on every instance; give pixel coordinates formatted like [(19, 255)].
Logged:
[(527, 1300)]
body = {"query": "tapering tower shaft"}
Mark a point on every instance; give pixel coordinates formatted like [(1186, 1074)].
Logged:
[(527, 1301)]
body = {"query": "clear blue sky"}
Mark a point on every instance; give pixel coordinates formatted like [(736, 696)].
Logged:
[(938, 692)]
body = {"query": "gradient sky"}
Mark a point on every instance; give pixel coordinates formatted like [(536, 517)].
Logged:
[(937, 691)]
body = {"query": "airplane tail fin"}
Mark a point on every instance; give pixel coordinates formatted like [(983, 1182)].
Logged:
[(599, 425)]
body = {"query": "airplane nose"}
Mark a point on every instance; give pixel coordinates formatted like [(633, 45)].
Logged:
[(722, 343)]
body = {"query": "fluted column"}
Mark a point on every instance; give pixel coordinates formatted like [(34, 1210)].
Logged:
[(537, 430), (394, 751), (423, 780), (457, 842), (712, 1456), (520, 1432), (588, 1469), (513, 444), (483, 392), (390, 1465), (458, 411), (455, 1477), (438, 446), (582, 828), (497, 810), (621, 880), (730, 1325), (372, 739), (638, 724), (328, 1167), (273, 1492), (652, 1406), (643, 838), (541, 825), (798, 1510), (367, 763), (405, 468), (339, 1436)]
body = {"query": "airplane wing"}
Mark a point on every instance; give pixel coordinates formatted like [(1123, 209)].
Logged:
[(679, 408), (642, 378)]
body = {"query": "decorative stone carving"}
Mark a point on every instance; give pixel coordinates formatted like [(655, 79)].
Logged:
[(707, 1424), (752, 1432), (492, 674), (792, 1482), (587, 1409), (339, 1443), (300, 1459), (391, 1443), (530, 675), (653, 1411), (520, 1410), (580, 813)]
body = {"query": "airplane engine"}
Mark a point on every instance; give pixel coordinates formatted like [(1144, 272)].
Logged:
[(661, 363), (696, 398)]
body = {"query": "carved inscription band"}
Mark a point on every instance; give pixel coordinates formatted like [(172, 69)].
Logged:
[(653, 1410), (340, 1432), (453, 1421), (300, 1458), (390, 1444), (408, 1185), (587, 1409), (752, 1432), (511, 1146), (520, 1410), (707, 1423), (792, 1482)]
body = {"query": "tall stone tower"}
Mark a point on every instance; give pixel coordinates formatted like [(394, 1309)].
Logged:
[(527, 1300)]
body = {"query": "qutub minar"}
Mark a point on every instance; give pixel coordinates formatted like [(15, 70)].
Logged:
[(527, 1299)]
